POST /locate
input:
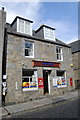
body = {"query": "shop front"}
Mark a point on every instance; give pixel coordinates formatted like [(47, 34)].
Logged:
[(44, 82), (43, 78)]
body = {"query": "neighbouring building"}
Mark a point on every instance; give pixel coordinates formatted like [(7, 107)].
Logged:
[(35, 63), (75, 48)]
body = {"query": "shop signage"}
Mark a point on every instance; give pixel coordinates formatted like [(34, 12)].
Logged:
[(45, 64), (71, 82), (40, 83)]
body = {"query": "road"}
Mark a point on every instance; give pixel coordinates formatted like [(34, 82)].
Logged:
[(66, 109)]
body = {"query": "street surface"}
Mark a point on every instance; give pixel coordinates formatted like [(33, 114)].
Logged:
[(66, 109)]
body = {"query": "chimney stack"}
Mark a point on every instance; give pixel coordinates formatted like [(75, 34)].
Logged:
[(2, 8)]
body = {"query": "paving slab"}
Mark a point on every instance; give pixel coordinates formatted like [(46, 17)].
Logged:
[(0, 113), (3, 112), (38, 103)]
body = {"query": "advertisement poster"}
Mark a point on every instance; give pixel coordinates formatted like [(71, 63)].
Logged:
[(40, 83), (54, 82), (29, 85), (59, 82)]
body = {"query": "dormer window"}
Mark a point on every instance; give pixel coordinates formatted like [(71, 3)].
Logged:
[(49, 33), (46, 32), (22, 25)]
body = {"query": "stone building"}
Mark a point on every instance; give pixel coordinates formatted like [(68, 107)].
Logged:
[(75, 49), (35, 63)]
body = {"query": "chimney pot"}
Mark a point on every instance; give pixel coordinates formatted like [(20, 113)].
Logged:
[(3, 8)]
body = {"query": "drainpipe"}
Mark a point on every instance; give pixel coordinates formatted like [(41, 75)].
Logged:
[(4, 84), (2, 26)]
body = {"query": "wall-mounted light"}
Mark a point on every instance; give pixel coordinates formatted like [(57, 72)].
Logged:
[(71, 65), (24, 65)]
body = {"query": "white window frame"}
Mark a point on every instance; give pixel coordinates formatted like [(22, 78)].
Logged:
[(32, 56), (33, 88), (60, 77), (50, 33), (61, 53), (24, 25)]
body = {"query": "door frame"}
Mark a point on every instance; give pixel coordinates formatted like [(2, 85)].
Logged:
[(49, 87), (49, 83)]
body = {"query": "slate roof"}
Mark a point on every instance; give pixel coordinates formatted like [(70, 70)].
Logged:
[(20, 18), (42, 27), (61, 42), (75, 46), (11, 30)]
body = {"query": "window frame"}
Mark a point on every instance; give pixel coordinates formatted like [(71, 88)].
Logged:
[(20, 25), (24, 26), (31, 56), (61, 53), (30, 88), (60, 77)]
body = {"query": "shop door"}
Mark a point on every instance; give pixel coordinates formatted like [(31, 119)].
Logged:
[(45, 76)]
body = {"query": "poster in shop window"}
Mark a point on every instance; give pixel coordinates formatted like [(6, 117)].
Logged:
[(61, 82), (54, 82)]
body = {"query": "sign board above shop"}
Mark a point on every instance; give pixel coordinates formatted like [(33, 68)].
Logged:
[(45, 64)]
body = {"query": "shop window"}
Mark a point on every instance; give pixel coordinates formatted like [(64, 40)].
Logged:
[(61, 73), (61, 78), (59, 53), (29, 80), (29, 49)]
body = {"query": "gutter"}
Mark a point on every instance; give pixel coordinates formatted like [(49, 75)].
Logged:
[(36, 38)]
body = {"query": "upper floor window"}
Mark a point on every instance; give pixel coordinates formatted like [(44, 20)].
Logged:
[(24, 27), (29, 49), (59, 53), (27, 28), (21, 26)]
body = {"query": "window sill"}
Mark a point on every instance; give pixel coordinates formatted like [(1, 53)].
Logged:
[(60, 60), (29, 56), (29, 89), (62, 86)]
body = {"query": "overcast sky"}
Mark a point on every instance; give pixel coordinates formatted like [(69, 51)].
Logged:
[(63, 16)]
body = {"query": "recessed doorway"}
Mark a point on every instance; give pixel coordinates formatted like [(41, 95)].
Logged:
[(46, 81)]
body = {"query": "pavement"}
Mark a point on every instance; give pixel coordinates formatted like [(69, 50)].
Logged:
[(12, 109)]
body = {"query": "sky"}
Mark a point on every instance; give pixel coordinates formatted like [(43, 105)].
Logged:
[(63, 16)]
